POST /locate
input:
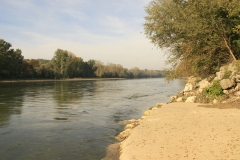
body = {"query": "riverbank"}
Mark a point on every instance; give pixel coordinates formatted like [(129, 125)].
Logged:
[(185, 131), (59, 80)]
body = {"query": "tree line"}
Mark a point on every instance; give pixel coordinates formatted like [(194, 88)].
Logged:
[(111, 70), (201, 35), (64, 64)]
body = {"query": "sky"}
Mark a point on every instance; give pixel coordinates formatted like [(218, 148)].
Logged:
[(110, 31)]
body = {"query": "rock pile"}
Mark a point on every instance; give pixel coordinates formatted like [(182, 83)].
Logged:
[(228, 77)]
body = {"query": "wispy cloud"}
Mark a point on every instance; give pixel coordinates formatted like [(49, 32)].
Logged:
[(107, 30)]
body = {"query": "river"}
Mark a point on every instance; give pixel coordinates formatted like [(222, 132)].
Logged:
[(72, 119)]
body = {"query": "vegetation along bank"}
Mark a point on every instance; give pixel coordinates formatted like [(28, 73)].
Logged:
[(64, 64)]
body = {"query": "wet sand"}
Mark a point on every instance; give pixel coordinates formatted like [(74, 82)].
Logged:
[(185, 131)]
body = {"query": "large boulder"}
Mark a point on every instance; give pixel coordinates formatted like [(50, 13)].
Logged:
[(226, 83)]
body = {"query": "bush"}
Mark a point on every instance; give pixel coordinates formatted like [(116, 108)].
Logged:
[(213, 91), (201, 98), (227, 74)]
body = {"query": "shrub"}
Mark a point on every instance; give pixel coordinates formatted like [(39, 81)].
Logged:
[(213, 91), (237, 64), (227, 74)]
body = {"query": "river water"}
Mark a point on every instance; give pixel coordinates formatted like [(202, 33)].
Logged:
[(72, 120)]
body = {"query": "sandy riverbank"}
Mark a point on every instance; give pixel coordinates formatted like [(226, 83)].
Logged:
[(185, 131), (67, 79)]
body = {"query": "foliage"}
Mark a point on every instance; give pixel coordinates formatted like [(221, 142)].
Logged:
[(67, 65), (237, 64), (11, 61), (213, 91), (64, 64), (111, 70), (201, 98), (201, 35), (227, 74)]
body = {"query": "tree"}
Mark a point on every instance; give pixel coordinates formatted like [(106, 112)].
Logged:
[(10, 61), (199, 34), (61, 61)]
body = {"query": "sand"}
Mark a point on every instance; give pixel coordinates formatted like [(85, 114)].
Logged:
[(185, 131)]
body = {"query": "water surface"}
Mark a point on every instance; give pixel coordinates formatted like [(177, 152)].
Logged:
[(72, 120)]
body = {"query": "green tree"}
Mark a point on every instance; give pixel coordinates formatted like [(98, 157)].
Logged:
[(199, 34), (60, 62), (10, 61)]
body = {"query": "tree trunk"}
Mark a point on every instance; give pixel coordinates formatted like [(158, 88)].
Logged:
[(230, 51)]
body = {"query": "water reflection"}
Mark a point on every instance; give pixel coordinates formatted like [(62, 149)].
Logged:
[(72, 92), (11, 101)]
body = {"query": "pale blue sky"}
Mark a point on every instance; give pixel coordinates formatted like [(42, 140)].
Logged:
[(105, 30)]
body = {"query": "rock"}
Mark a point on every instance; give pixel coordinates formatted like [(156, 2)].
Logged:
[(237, 94), (193, 80), (133, 121), (173, 98), (180, 99), (225, 92), (147, 113), (237, 78), (189, 94), (188, 87), (226, 83), (223, 69), (129, 121), (219, 75), (232, 67), (123, 135), (215, 101), (203, 84), (153, 108), (231, 91), (143, 117), (237, 88), (180, 94), (130, 126), (191, 99), (200, 90), (159, 104)]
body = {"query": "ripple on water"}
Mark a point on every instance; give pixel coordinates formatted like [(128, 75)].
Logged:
[(61, 118), (135, 96)]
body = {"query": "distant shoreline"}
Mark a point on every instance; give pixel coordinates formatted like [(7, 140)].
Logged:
[(61, 80)]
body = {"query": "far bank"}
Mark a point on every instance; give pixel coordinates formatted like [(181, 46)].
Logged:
[(59, 80)]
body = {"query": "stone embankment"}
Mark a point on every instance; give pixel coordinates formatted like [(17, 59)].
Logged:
[(198, 90)]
